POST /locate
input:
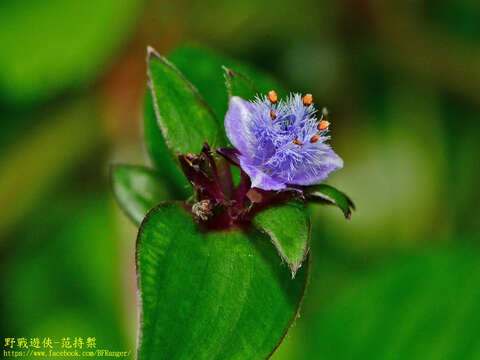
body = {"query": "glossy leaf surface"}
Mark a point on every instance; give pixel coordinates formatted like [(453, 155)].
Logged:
[(327, 194), (214, 295), (204, 68), (288, 226), (159, 154), (239, 85), (137, 189), (185, 119)]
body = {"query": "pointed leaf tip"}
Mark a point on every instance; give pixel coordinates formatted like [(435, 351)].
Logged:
[(137, 190), (288, 227), (326, 194), (239, 85), (185, 119), (151, 50)]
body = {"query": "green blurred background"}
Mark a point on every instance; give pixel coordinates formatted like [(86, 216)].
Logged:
[(401, 280)]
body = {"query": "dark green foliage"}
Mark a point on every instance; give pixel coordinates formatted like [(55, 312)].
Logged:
[(185, 119), (215, 295), (327, 194), (137, 189), (289, 229)]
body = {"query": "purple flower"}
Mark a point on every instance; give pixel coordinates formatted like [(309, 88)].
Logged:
[(280, 143)]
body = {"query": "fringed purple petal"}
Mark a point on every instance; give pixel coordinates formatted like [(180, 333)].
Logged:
[(281, 144), (330, 162), (258, 178), (236, 124)]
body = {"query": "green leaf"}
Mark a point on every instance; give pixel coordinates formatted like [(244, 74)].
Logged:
[(203, 68), (161, 158), (185, 119), (288, 226), (137, 189), (239, 85), (211, 295), (418, 307), (327, 194)]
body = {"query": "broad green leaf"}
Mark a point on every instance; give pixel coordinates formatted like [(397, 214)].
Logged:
[(50, 46), (159, 154), (327, 194), (203, 68), (211, 295), (288, 226), (418, 307), (137, 189), (239, 85), (185, 119)]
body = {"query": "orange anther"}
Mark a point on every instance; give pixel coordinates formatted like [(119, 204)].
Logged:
[(314, 138), (308, 99), (297, 142), (272, 96), (272, 115), (323, 125)]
